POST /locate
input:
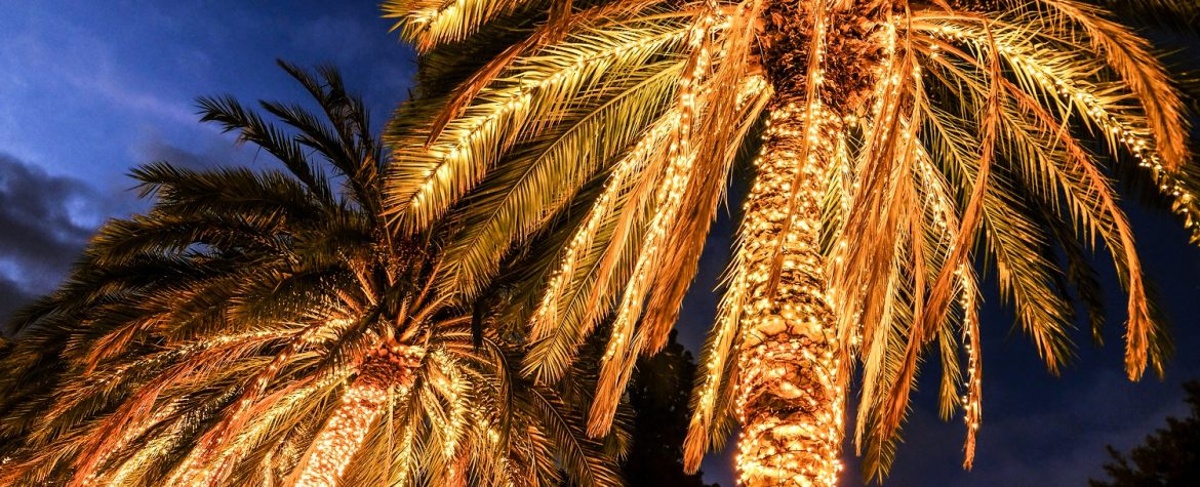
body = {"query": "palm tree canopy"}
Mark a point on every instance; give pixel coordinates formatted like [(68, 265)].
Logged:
[(988, 132), (257, 327)]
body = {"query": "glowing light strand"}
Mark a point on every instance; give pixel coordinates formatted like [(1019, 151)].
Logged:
[(617, 362), (545, 318), (847, 298), (455, 389), (490, 117), (675, 182), (385, 375), (790, 401), (96, 477), (717, 355), (790, 398), (972, 400), (200, 468), (145, 456), (1137, 140), (343, 434), (206, 466)]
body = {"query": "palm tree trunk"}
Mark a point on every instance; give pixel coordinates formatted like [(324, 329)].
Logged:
[(790, 403), (343, 434), (386, 374)]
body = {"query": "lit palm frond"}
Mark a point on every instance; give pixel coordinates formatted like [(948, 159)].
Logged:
[(265, 327), (977, 132), (427, 23), (563, 99)]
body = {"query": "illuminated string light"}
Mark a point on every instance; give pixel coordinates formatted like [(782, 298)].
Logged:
[(671, 190), (200, 468), (727, 320), (95, 477), (1137, 139), (342, 435), (403, 459), (790, 402), (947, 223), (146, 454), (972, 400), (490, 118), (453, 388), (545, 318), (617, 362), (387, 371)]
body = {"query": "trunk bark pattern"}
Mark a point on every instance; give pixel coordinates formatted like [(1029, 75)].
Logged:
[(388, 370), (789, 401)]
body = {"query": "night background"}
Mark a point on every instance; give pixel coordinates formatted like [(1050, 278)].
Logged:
[(88, 91)]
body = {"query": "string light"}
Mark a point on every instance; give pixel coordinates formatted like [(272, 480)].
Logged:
[(490, 119), (144, 457), (726, 326), (388, 370), (1136, 138), (94, 478), (790, 398), (972, 399), (617, 362), (404, 450), (341, 436), (545, 318), (790, 402), (675, 181), (453, 388)]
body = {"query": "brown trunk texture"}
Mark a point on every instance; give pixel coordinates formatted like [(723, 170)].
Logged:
[(789, 403)]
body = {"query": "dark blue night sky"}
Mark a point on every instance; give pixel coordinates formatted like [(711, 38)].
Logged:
[(90, 89)]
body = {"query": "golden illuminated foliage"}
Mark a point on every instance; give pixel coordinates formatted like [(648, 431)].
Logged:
[(268, 328), (908, 142)]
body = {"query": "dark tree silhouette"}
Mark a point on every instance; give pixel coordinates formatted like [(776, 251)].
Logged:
[(659, 394), (1169, 457)]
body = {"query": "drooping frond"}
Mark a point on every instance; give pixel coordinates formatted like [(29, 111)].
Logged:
[(1129, 56), (538, 92), (427, 23), (1052, 162), (538, 182), (949, 135), (264, 328)]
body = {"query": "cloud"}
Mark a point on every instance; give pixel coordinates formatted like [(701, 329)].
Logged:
[(212, 152), (12, 297), (46, 221), (121, 95), (89, 64)]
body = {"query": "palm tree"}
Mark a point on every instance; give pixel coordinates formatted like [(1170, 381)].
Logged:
[(266, 328), (898, 143)]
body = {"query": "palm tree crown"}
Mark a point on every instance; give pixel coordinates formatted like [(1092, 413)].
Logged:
[(266, 328), (901, 143)]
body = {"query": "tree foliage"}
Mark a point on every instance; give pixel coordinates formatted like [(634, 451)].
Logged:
[(259, 327), (1170, 457), (981, 134), (658, 394)]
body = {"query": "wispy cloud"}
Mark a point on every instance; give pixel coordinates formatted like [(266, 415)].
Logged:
[(87, 63), (210, 153)]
